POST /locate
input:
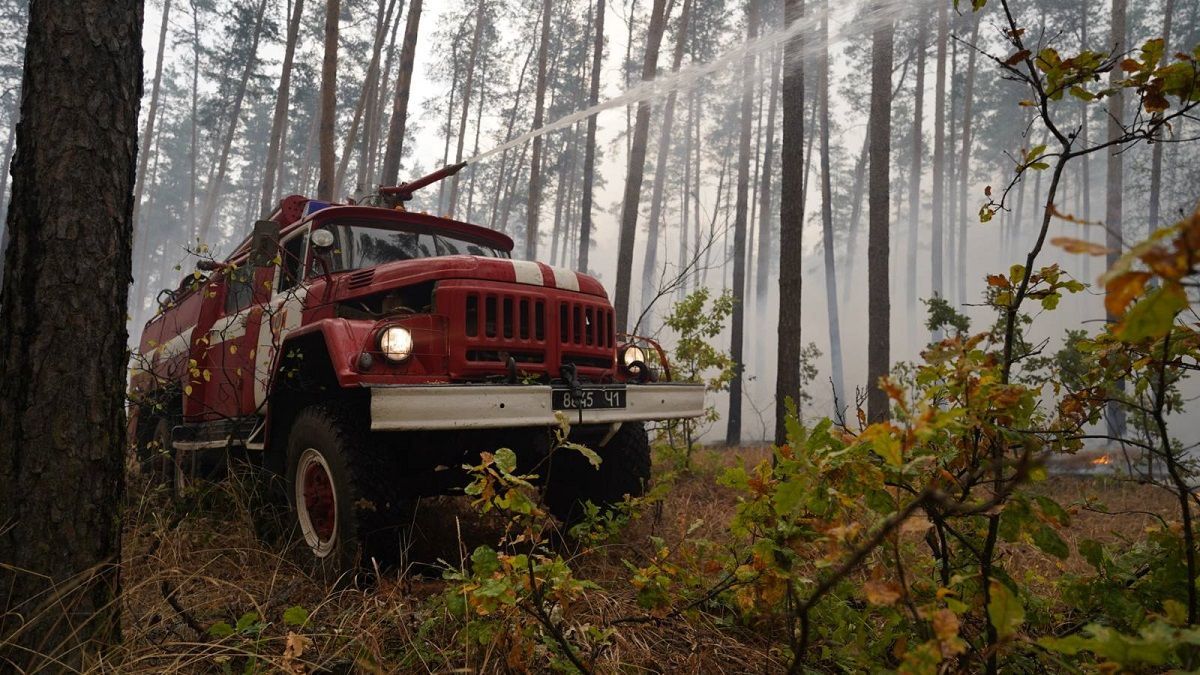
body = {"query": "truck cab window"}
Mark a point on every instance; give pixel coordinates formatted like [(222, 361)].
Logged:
[(292, 269), (239, 289)]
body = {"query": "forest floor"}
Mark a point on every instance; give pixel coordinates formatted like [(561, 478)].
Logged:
[(192, 564)]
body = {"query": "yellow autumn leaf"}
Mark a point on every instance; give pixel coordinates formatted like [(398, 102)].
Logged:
[(881, 593)]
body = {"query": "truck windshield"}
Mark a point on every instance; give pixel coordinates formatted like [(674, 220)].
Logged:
[(359, 246)]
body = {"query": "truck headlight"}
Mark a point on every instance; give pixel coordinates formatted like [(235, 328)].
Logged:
[(396, 343), (633, 359)]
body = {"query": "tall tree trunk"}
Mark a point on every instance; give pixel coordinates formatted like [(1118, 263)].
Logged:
[(686, 198), (765, 212), (151, 115), (449, 120), (66, 283), (376, 139), (589, 149), (508, 134), (534, 204), (831, 298), (791, 223), (939, 160), (878, 303), (328, 109), (475, 149), (637, 169), (1156, 154), (856, 200), (951, 174), (382, 19), (467, 86), (1085, 160), (193, 174), (280, 119), (398, 122), (215, 186), (914, 172), (1113, 199), (650, 266), (964, 167)]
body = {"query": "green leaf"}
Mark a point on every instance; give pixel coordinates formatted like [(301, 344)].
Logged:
[(484, 561), (588, 453), (1047, 539), (220, 629), (295, 616), (788, 496), (247, 622), (1035, 153), (1153, 315), (1004, 610), (1093, 552), (506, 460)]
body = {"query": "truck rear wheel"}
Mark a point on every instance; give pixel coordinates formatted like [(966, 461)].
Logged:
[(338, 488), (624, 470)]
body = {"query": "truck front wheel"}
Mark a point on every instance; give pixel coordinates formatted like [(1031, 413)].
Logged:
[(341, 501), (624, 470)]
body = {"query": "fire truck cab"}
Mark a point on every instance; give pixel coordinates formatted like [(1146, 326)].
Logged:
[(364, 352)]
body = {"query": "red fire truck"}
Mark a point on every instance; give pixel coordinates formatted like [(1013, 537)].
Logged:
[(364, 353)]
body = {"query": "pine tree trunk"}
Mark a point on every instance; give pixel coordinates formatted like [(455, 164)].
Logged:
[(467, 86), (636, 169), (398, 122), (831, 297), (1113, 199), (328, 105), (469, 215), (765, 212), (1156, 154), (215, 186), (66, 282), (382, 19), (193, 174), (589, 150), (151, 116), (951, 174), (508, 135), (914, 172), (534, 204), (1085, 160), (857, 191), (280, 119), (377, 138), (964, 167), (878, 302), (650, 264), (937, 206), (791, 223)]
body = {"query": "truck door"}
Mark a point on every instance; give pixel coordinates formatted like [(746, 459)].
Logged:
[(281, 314)]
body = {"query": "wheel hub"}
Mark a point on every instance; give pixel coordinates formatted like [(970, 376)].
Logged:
[(316, 502)]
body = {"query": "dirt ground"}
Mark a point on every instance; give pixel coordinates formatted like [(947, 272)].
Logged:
[(190, 565)]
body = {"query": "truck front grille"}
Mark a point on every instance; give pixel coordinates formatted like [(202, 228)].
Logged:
[(539, 330)]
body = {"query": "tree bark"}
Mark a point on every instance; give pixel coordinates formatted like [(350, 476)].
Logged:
[(878, 302), (376, 139), (765, 212), (1156, 154), (964, 167), (534, 204), (215, 186), (151, 115), (1113, 200), (650, 266), (370, 81), (280, 118), (66, 283), (791, 223), (467, 86), (399, 119), (589, 148), (636, 169), (939, 160), (328, 111), (831, 297), (914, 172)]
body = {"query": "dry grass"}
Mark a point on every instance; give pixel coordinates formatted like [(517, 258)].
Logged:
[(189, 568)]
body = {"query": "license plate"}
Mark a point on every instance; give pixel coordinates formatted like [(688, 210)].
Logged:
[(588, 398)]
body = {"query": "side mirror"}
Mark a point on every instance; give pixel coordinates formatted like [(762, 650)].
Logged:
[(321, 239)]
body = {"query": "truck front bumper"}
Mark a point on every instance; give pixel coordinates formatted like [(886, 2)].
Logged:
[(502, 406)]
